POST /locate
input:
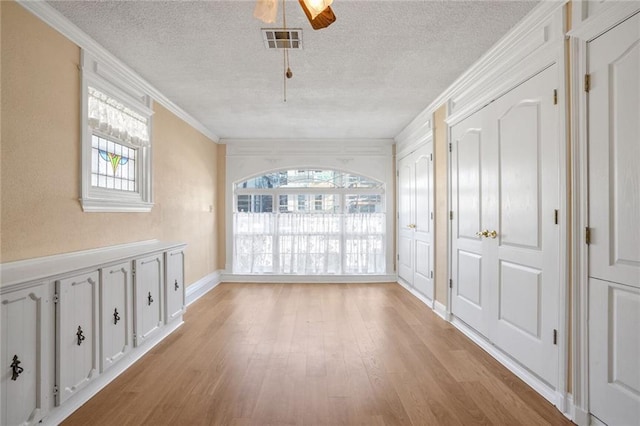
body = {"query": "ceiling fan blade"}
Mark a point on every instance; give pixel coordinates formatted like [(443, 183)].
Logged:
[(266, 10)]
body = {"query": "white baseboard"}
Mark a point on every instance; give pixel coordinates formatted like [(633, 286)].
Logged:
[(424, 299), (272, 278), (581, 417), (546, 391), (202, 286), (58, 414), (441, 310)]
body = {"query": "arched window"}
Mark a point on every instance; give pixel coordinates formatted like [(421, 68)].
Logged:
[(309, 222)]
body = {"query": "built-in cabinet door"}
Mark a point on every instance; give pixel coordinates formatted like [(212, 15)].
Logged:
[(614, 216), (175, 291), (149, 287), (505, 238), (77, 333), (24, 387), (116, 308), (415, 224)]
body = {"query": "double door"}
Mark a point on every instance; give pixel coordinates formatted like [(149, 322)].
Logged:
[(505, 236), (613, 61), (415, 220)]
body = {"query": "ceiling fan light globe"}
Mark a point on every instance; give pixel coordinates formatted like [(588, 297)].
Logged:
[(316, 7)]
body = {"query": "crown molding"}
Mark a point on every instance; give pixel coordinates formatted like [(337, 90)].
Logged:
[(496, 55), (60, 23)]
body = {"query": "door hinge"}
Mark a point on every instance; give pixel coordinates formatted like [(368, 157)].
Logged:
[(555, 336), (450, 283), (55, 390), (431, 157), (449, 146), (555, 216), (587, 82), (587, 235), (555, 96), (431, 215), (398, 257), (451, 215), (431, 274), (56, 298), (397, 173)]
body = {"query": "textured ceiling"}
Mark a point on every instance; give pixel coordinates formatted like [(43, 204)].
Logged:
[(366, 76)]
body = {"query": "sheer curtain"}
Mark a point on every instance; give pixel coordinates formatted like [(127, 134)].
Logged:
[(309, 243), (115, 119)]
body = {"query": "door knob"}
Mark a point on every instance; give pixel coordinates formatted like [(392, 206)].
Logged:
[(483, 233), (412, 226), (492, 234)]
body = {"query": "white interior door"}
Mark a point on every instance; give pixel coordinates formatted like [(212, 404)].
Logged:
[(406, 212), (614, 220), (423, 231), (471, 184), (526, 241), (415, 221)]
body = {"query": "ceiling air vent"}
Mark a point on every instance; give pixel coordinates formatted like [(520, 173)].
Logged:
[(279, 38)]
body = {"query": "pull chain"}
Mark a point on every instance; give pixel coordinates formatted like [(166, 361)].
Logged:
[(287, 71)]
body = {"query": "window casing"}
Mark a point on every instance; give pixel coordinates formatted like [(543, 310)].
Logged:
[(309, 222), (116, 142)]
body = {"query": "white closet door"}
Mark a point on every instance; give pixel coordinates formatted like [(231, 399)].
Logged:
[(614, 219), (406, 212), (472, 188), (423, 235), (415, 224), (526, 238)]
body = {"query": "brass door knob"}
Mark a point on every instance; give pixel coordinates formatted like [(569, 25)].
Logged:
[(492, 234), (483, 233)]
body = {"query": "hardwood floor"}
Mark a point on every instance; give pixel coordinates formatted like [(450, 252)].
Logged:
[(313, 354)]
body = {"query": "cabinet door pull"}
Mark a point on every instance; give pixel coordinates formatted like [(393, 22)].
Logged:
[(80, 336), (149, 299), (16, 370), (176, 286), (116, 316)]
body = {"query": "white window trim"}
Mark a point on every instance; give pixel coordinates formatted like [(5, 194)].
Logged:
[(114, 84)]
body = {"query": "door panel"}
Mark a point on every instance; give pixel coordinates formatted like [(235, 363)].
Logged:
[(77, 334), (613, 62), (116, 313), (415, 228), (149, 284), (175, 291), (423, 236), (519, 296), (614, 352), (520, 157), (470, 180), (526, 245), (614, 154), (406, 211), (24, 397)]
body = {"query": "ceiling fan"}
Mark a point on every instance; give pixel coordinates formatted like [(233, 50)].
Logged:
[(318, 12)]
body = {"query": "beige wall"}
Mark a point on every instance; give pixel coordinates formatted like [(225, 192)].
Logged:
[(440, 148), (40, 164), (221, 197)]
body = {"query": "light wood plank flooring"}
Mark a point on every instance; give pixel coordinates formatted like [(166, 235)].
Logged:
[(316, 354)]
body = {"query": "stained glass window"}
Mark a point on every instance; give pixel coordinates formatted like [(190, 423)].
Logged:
[(113, 165)]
